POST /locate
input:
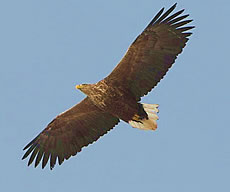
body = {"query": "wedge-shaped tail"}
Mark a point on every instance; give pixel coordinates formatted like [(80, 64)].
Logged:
[(151, 122)]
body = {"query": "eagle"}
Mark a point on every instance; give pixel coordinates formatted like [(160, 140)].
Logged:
[(116, 97)]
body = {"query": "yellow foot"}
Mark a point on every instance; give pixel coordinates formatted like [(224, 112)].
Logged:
[(136, 117)]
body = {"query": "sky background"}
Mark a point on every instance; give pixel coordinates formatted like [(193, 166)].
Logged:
[(49, 46)]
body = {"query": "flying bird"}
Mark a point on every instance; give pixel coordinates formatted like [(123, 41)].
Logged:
[(116, 97)]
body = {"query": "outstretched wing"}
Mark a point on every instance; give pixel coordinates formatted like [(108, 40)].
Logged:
[(68, 133), (152, 53)]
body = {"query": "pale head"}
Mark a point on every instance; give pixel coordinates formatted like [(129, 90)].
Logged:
[(85, 88)]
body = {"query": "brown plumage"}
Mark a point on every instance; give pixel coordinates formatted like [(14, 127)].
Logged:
[(117, 96)]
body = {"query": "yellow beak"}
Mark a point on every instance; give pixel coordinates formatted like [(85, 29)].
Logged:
[(78, 86)]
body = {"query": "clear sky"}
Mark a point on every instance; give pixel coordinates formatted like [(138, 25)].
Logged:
[(49, 46)]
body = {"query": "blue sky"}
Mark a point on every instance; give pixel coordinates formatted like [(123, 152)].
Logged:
[(47, 47)]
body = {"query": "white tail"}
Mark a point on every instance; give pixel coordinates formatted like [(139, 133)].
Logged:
[(151, 122)]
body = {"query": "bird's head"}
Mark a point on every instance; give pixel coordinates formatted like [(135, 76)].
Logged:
[(85, 88)]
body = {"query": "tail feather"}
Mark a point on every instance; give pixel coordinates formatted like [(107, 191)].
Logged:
[(152, 116), (151, 122), (151, 107)]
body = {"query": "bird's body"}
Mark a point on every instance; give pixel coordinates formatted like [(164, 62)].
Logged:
[(116, 97), (113, 99)]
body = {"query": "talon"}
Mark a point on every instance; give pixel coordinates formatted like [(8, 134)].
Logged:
[(136, 117)]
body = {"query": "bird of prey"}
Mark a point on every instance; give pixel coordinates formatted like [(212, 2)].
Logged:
[(116, 97)]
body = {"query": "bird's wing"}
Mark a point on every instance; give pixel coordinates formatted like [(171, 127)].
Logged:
[(152, 53), (68, 133)]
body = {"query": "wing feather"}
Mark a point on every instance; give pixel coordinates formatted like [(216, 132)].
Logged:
[(68, 133), (166, 14), (156, 17), (152, 53), (172, 21), (175, 15)]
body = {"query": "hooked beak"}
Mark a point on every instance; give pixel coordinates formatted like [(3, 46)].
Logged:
[(78, 86)]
